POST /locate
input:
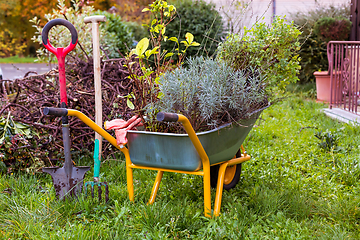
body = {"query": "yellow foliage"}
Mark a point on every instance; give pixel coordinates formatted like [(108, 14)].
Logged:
[(130, 10), (103, 4), (10, 46)]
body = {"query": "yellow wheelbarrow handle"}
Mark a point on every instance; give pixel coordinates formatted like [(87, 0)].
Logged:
[(70, 112), (173, 117)]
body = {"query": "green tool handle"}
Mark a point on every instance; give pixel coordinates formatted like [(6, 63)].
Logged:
[(97, 161)]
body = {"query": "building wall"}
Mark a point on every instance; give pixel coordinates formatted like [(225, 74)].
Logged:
[(247, 12)]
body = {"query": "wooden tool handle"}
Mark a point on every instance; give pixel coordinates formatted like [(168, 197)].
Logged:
[(97, 74)]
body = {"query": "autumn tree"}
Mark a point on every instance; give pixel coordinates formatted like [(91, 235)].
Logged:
[(103, 4), (15, 16), (130, 10), (14, 22)]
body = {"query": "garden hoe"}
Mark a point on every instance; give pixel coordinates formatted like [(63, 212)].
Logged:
[(67, 179), (98, 106)]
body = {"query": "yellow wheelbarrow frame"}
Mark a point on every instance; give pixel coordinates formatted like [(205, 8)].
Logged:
[(204, 172)]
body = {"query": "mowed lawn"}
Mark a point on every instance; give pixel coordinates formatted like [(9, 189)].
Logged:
[(296, 186)]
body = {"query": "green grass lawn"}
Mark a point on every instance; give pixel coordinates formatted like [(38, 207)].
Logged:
[(296, 186), (16, 59)]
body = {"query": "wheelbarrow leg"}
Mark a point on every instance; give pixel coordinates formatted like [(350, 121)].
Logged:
[(219, 189), (129, 173), (207, 189), (156, 187), (130, 185)]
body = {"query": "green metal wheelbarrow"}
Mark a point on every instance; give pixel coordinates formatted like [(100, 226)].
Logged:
[(216, 155)]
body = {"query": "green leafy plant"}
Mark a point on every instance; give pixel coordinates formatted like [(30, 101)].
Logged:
[(18, 149), (328, 29), (328, 140), (209, 93), (163, 14), (272, 50), (128, 100)]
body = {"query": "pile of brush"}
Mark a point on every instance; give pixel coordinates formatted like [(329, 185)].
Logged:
[(25, 98)]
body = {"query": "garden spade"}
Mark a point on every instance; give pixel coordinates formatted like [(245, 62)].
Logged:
[(67, 179), (94, 20)]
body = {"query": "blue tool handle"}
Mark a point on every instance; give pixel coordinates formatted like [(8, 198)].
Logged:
[(97, 160)]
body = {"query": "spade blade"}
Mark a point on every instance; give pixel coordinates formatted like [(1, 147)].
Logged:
[(67, 184)]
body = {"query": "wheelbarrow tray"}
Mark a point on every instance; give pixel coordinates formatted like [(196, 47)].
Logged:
[(177, 152)]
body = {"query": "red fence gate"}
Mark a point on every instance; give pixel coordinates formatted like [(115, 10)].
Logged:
[(344, 70)]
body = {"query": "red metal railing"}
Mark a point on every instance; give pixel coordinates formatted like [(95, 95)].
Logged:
[(344, 70)]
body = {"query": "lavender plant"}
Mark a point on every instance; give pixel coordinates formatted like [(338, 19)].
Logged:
[(209, 93)]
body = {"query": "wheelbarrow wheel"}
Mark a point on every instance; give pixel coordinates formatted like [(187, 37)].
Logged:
[(232, 175)]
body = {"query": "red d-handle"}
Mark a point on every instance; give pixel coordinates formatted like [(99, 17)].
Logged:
[(60, 53), (45, 38)]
